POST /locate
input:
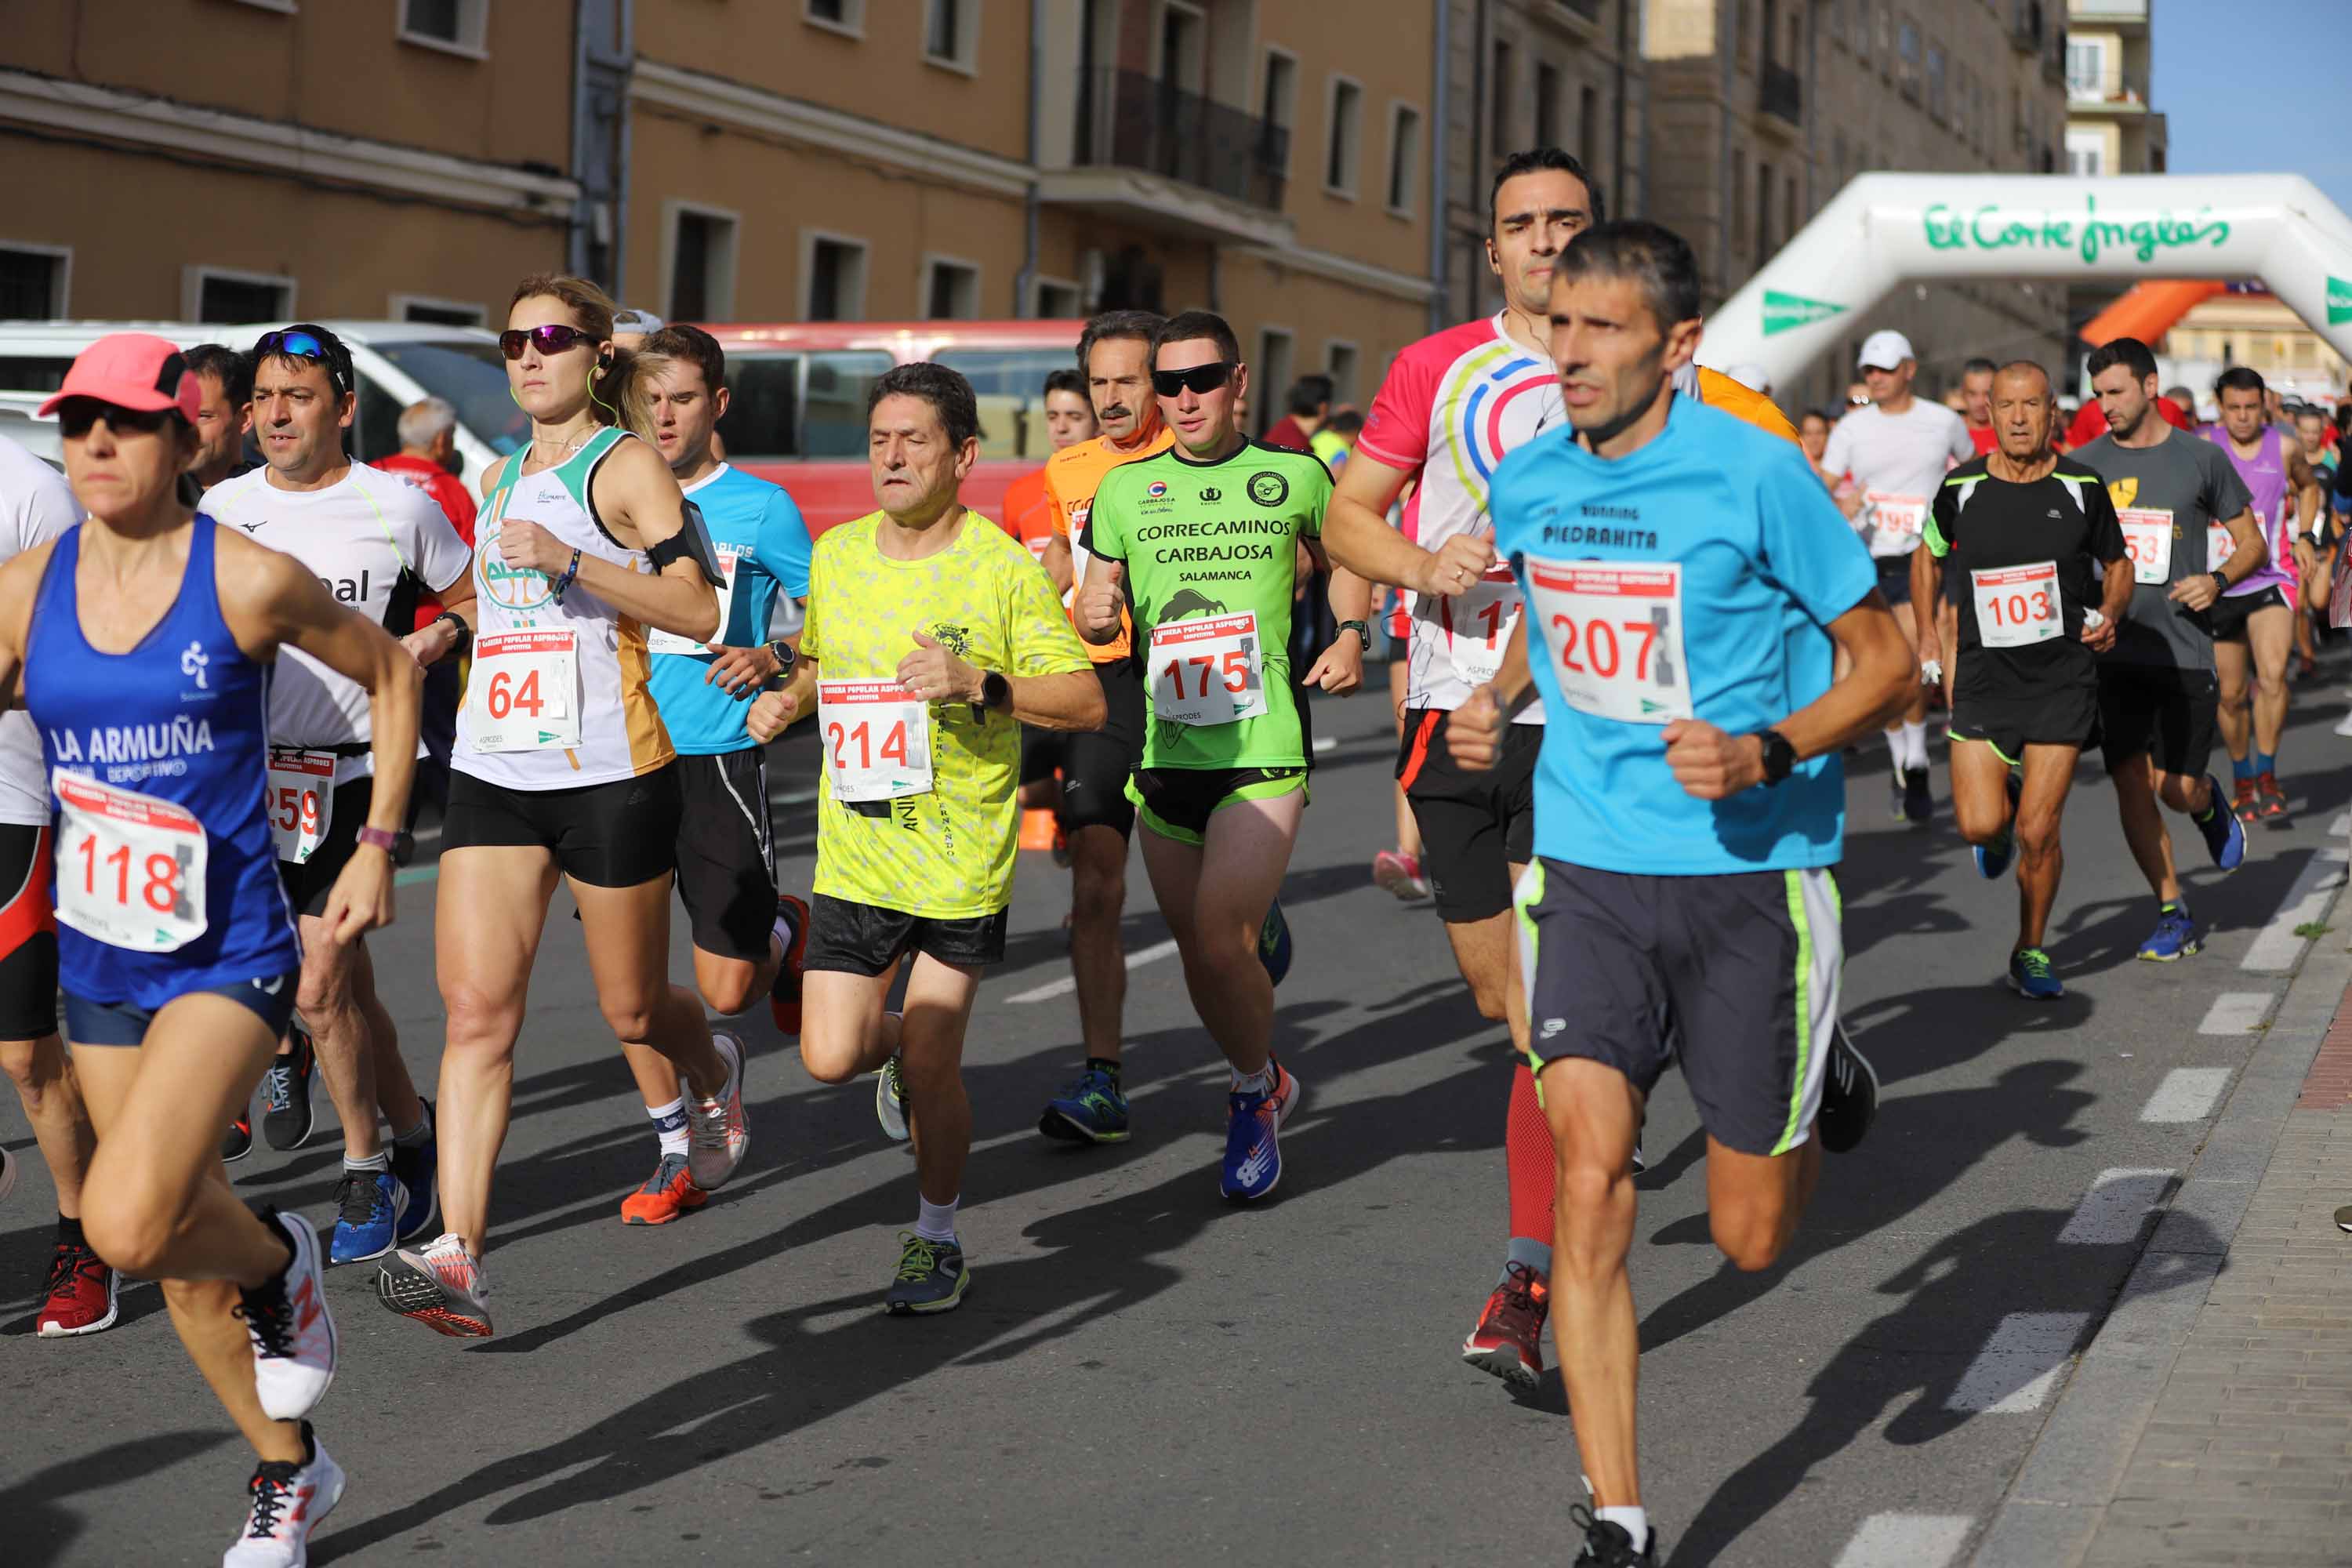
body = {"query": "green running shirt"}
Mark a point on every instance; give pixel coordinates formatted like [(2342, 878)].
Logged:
[(1214, 540)]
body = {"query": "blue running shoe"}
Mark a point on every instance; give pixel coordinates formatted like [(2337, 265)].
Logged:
[(1992, 860), (419, 1170), (2029, 976), (2176, 931), (368, 1208), (1253, 1138), (1273, 943), (2225, 836), (1089, 1109)]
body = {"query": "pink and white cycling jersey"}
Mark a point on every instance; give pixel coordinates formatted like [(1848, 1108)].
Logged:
[(1453, 405)]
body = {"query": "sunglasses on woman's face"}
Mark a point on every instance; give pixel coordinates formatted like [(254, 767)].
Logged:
[(75, 418), (1200, 378), (549, 340)]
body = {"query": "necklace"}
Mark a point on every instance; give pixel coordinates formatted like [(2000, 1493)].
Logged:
[(540, 443)]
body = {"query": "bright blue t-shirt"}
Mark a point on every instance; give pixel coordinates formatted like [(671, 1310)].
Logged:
[(1694, 577), (762, 546)]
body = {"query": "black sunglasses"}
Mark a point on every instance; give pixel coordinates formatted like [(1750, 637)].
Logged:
[(1200, 378), (549, 340), (300, 342), (78, 415)]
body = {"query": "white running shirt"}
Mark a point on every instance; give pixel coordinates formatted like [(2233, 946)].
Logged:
[(1898, 462), (36, 505)]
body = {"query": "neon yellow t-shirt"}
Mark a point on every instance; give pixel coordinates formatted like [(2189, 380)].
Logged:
[(946, 852)]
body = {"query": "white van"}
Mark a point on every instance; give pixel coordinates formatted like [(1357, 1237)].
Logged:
[(399, 362)]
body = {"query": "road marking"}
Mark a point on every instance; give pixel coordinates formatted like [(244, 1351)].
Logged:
[(2340, 826), (2113, 1210), (2187, 1094), (1067, 983), (2020, 1365), (2276, 948), (416, 874), (1906, 1540), (795, 796), (2235, 1013)]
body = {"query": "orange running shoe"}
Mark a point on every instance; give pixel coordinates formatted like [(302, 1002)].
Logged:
[(669, 1193), (1508, 1339), (784, 992), (2247, 803)]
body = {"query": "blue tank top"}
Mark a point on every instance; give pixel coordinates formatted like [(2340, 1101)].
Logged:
[(181, 718)]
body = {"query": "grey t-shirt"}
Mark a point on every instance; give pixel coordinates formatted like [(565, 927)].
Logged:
[(2190, 484)]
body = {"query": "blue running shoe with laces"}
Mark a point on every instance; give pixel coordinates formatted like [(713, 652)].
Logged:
[(1253, 1138), (369, 1208), (418, 1166), (2029, 976), (1273, 943), (1992, 860), (2225, 836), (2176, 931), (1089, 1109)]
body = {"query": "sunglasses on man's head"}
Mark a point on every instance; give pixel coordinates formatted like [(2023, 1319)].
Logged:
[(76, 416), (548, 340), (1200, 378), (300, 343)]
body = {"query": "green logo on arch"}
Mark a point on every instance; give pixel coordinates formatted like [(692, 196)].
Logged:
[(2339, 302), (1786, 312)]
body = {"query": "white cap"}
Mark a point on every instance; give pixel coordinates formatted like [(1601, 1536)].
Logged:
[(1885, 349), (628, 321), (1754, 377)]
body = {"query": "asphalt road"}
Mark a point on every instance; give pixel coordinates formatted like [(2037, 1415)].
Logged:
[(1143, 1374)]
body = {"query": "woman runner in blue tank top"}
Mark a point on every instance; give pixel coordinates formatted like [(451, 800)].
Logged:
[(142, 643)]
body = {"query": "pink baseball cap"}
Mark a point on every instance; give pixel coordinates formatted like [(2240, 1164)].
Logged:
[(131, 369)]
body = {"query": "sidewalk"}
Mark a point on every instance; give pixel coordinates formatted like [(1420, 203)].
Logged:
[(2211, 1420)]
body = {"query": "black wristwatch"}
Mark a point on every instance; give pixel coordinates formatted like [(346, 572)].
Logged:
[(1780, 757), (2220, 577), (996, 692), (1361, 630), (785, 656), (465, 633)]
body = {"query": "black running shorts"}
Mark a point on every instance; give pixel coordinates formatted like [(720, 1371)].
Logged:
[(2010, 721), (1735, 976), (1096, 763), (28, 935), (621, 834), (2157, 709), (1475, 827), (864, 939), (726, 853), (2228, 614)]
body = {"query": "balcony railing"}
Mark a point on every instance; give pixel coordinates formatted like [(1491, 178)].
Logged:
[(1780, 91), (1130, 120), (2112, 90), (1588, 9), (2025, 25), (2053, 58)]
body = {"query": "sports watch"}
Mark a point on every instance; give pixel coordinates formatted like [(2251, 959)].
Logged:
[(400, 846), (1780, 756), (1361, 630)]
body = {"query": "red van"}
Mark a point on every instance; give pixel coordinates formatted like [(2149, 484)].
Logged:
[(798, 410)]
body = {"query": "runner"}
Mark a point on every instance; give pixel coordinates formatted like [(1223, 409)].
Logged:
[(1095, 819), (2035, 541), (1031, 517), (1976, 395), (1898, 451), (225, 379), (1201, 540), (563, 769), (2158, 693), (747, 935), (1399, 871), (176, 941), (81, 1293), (930, 639), (2312, 429), (2253, 625), (427, 455), (376, 542), (1681, 905)]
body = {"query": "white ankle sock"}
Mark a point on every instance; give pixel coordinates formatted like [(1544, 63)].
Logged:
[(669, 1122), (1914, 745), (1635, 1521), (1258, 1082), (936, 1222), (378, 1160)]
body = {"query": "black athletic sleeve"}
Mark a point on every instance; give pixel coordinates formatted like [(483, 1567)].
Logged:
[(2105, 538)]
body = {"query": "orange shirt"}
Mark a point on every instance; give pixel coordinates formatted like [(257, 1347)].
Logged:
[(1072, 476), (1029, 512), (1743, 401)]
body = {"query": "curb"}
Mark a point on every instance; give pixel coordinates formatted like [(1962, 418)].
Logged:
[(2060, 1497)]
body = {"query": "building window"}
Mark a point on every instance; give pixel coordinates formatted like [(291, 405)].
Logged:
[(840, 16), (701, 264), (225, 294), (1498, 132), (2086, 153), (33, 280), (1937, 104), (1059, 301), (1907, 45), (1736, 242), (1339, 364), (439, 313), (1346, 134), (1588, 127), (951, 34), (1763, 211), (1271, 374), (460, 25), (835, 271), (1547, 104), (1277, 105), (1405, 157), (2086, 68), (950, 290)]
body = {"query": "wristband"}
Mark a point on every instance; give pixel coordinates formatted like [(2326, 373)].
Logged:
[(571, 576), (465, 633), (400, 846), (1361, 630), (1517, 705)]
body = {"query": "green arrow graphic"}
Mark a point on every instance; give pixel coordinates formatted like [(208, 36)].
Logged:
[(2339, 302), (1786, 312), (545, 736)]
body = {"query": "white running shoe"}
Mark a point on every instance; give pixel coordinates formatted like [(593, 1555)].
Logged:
[(2344, 725), (288, 1502), (293, 1332), (441, 1286), (716, 1127), (890, 1101)]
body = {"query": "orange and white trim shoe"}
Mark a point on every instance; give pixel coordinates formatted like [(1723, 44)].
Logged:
[(717, 1126), (441, 1286), (292, 1331), (669, 1193)]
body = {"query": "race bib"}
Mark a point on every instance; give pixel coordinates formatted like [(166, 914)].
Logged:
[(2017, 606), (1479, 625), (1903, 516), (523, 694), (877, 739), (658, 641), (2147, 540), (299, 794), (131, 869), (1209, 670), (1616, 629), (2218, 546)]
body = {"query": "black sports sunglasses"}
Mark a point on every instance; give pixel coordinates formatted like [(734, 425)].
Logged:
[(1200, 378)]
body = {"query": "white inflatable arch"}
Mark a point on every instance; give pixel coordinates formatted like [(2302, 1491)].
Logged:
[(1884, 230)]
